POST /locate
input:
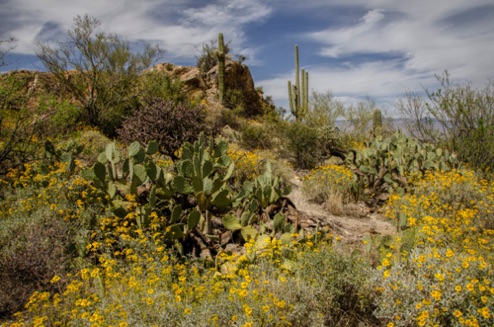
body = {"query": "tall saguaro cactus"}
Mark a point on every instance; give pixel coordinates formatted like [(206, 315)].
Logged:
[(221, 68), (298, 94), (377, 122)]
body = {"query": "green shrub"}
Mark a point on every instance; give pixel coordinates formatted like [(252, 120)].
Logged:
[(458, 117), (303, 145), (257, 136), (167, 123), (330, 185)]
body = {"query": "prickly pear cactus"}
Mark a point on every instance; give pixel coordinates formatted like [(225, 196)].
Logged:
[(386, 164)]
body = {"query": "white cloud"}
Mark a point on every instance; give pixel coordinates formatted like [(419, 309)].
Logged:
[(181, 29)]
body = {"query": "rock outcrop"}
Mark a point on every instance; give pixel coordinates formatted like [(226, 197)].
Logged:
[(239, 85)]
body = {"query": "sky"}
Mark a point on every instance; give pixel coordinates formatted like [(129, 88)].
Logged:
[(356, 49)]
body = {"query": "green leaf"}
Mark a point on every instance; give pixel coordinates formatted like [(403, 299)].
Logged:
[(278, 221), (208, 185), (182, 186), (152, 147), (244, 218), (221, 200), (140, 174), (88, 174), (207, 168), (134, 149), (231, 222), (102, 158), (202, 201), (229, 172), (193, 219), (220, 149), (100, 171), (175, 232), (152, 197), (111, 189), (197, 184), (248, 232), (152, 170), (186, 168), (176, 213)]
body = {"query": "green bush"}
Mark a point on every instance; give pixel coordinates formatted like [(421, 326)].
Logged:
[(167, 123), (458, 117), (303, 145), (257, 136)]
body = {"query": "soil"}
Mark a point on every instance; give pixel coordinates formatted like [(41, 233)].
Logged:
[(351, 227)]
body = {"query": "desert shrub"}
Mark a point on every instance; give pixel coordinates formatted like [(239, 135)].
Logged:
[(440, 271), (101, 64), (33, 249), (208, 57), (458, 117), (165, 122), (303, 145), (454, 200), (293, 283), (248, 164), (330, 185), (161, 85), (436, 287), (324, 110), (57, 116), (257, 136), (92, 140), (46, 217)]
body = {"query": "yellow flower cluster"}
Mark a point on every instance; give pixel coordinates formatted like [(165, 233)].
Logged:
[(324, 181), (158, 288), (445, 274), (248, 164)]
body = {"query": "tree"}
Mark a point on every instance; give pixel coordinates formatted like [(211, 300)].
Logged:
[(324, 109), (17, 125), (99, 70), (459, 117)]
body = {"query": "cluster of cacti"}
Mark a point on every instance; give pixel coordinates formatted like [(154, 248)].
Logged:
[(298, 94), (197, 199), (221, 68), (259, 202), (386, 163)]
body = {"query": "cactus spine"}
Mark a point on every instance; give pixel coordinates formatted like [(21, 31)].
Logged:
[(298, 94), (221, 68)]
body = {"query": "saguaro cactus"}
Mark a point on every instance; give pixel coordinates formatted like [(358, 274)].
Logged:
[(298, 94), (377, 122), (221, 68)]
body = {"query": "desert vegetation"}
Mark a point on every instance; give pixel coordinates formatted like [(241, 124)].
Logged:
[(159, 208)]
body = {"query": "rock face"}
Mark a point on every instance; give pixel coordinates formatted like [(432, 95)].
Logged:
[(239, 85)]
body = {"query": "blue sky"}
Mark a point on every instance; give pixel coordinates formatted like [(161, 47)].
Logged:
[(354, 48)]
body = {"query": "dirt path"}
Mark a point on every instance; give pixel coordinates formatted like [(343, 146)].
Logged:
[(350, 229)]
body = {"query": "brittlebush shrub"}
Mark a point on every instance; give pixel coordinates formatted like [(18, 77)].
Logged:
[(165, 122), (330, 185), (441, 272), (45, 216)]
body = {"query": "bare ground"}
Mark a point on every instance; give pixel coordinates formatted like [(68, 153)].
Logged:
[(351, 227)]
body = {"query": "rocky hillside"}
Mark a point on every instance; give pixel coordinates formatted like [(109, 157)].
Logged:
[(240, 88)]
